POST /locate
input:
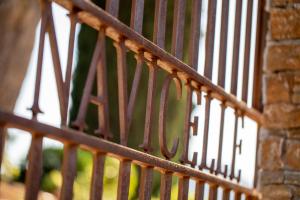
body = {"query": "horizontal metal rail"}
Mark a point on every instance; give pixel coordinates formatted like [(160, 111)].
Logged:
[(76, 138), (96, 17)]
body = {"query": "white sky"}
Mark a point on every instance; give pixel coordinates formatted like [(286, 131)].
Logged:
[(49, 100)]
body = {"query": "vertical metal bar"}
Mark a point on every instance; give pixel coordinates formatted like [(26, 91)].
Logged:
[(124, 179), (150, 106), (235, 146), (247, 50), (135, 85), (44, 21), (165, 185), (80, 119), (187, 124), (210, 38), (122, 90), (67, 83), (137, 13), (146, 183), (223, 44), (56, 62), (203, 164), (237, 195), (68, 171), (97, 176), (35, 168), (236, 47), (160, 19), (2, 143), (220, 149), (112, 6), (103, 111), (213, 192), (178, 28), (256, 157), (195, 34), (199, 193), (183, 188), (260, 43), (226, 194)]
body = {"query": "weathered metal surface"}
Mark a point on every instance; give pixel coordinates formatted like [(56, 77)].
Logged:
[(35, 168), (223, 44), (236, 47), (160, 19), (146, 183), (68, 171), (97, 176), (178, 27), (95, 144), (126, 39)]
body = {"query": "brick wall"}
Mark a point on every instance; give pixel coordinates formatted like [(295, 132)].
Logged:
[(279, 149)]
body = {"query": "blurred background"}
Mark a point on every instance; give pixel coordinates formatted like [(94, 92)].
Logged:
[(14, 162)]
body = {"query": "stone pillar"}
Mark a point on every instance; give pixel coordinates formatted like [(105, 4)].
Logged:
[(279, 149)]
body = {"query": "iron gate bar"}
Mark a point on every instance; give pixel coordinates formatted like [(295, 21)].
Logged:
[(223, 44), (178, 27), (73, 137), (236, 47), (261, 32), (194, 34), (160, 19), (210, 38), (94, 16), (247, 50)]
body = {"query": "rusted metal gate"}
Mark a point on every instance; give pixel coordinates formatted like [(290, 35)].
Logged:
[(153, 53)]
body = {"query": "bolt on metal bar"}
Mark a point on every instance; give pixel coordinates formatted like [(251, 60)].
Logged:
[(247, 50)]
